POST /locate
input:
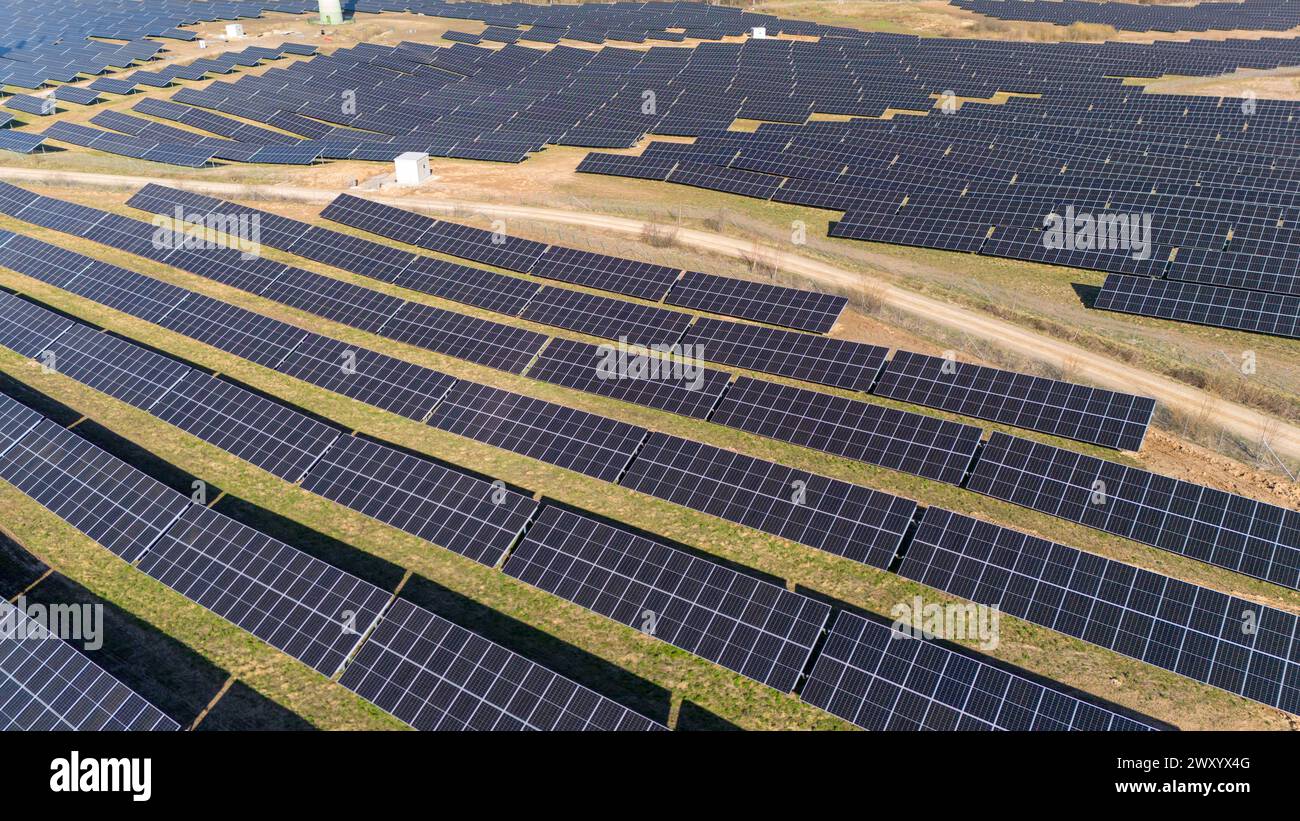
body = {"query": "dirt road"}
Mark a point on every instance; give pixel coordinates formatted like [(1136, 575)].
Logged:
[(1249, 424)]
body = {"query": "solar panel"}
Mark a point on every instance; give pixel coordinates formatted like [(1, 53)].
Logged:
[(16, 420), (76, 94), (99, 495), (867, 676), (676, 386), (1242, 647), (435, 675), (466, 337), (1115, 420), (46, 685), (896, 439), (605, 273), (605, 317), (401, 387), (110, 365), (770, 304), (27, 328), (836, 362), (113, 85), (267, 434), (1199, 522), (573, 439), (473, 517), (848, 520), (333, 299), (466, 242), (21, 142), (1277, 314), (239, 331), (292, 601), (752, 627)]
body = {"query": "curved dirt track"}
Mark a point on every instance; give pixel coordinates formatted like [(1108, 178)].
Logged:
[(1249, 424)]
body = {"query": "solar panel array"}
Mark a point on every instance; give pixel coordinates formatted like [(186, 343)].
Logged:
[(295, 603), (1200, 522), (836, 362), (746, 625), (721, 295), (46, 685), (769, 481), (584, 442), (867, 677), (435, 675), (467, 515), (1266, 15), (841, 518), (407, 660), (901, 440), (666, 383), (1116, 420), (1075, 411), (1240, 646)]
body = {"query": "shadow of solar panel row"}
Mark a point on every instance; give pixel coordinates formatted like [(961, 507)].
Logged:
[(750, 626), (770, 304), (867, 676), (848, 520), (1239, 646), (46, 685), (673, 385), (593, 445), (837, 362), (1277, 314), (305, 607), (1116, 420), (1223, 529), (896, 439)]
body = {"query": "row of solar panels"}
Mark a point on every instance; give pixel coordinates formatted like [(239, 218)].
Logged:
[(696, 475), (1224, 529), (427, 671), (1242, 15), (901, 440), (47, 685), (414, 664), (535, 561), (1104, 417)]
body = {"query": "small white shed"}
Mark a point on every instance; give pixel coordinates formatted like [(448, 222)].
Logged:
[(758, 32), (412, 168), (234, 31)]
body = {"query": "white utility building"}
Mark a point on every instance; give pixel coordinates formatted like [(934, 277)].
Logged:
[(412, 168)]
